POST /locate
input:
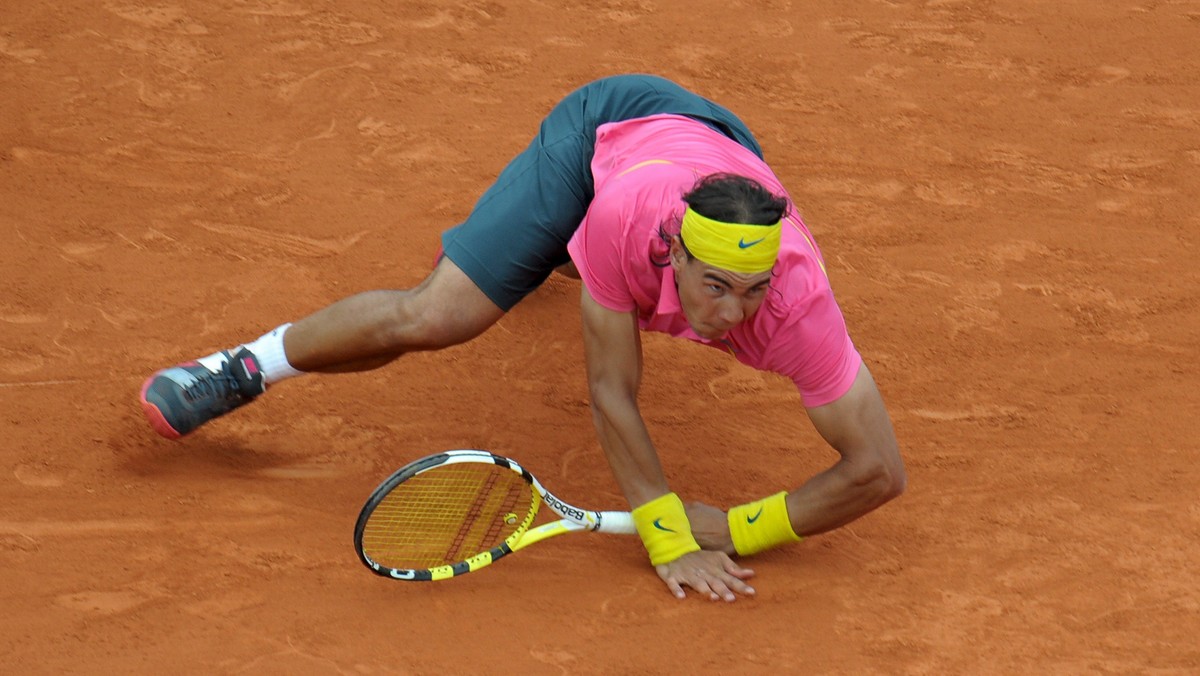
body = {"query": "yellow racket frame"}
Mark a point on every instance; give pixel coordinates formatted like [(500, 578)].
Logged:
[(573, 519)]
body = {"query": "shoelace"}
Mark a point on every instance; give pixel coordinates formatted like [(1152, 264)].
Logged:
[(223, 385)]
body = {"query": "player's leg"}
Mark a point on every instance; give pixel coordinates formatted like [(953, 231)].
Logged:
[(370, 329), (513, 239), (621, 97), (362, 332)]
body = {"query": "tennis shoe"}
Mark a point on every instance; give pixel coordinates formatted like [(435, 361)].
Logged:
[(179, 399)]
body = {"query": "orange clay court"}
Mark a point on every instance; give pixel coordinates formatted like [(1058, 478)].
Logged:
[(1007, 194)]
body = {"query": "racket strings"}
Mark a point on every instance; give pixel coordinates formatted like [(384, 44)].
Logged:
[(445, 515)]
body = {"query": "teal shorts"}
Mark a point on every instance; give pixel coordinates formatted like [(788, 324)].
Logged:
[(518, 231)]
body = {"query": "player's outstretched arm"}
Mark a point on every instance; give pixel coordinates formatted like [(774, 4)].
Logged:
[(613, 350), (612, 345)]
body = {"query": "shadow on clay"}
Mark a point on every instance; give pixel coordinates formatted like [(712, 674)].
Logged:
[(198, 455)]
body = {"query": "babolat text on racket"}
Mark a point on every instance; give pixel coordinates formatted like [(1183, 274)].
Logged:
[(458, 511)]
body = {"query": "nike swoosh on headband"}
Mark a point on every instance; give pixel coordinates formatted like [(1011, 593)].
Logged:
[(743, 244)]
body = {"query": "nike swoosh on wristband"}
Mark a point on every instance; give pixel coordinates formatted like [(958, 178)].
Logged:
[(662, 527), (743, 244), (752, 519)]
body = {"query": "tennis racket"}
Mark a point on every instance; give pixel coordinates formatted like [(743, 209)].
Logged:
[(455, 512)]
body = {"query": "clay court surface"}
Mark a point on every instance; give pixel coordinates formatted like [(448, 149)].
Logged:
[(1007, 197)]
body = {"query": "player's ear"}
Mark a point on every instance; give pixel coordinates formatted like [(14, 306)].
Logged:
[(679, 255)]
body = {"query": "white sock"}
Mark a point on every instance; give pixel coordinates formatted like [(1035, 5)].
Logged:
[(271, 358)]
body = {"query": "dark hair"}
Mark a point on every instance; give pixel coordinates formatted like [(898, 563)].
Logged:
[(728, 198)]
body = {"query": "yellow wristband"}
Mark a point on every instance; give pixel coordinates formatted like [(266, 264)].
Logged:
[(761, 524), (665, 529)]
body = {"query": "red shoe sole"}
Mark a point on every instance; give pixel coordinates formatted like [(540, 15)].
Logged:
[(155, 416)]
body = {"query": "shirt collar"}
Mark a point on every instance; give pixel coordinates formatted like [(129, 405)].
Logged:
[(669, 305), (668, 295)]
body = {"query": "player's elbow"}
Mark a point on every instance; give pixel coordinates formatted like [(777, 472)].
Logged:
[(880, 481), (897, 483)]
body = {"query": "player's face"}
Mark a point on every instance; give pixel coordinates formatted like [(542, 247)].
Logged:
[(715, 300)]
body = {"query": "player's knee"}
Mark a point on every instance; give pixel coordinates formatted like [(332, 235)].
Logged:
[(415, 323)]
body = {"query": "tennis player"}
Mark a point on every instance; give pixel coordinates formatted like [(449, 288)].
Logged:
[(661, 202)]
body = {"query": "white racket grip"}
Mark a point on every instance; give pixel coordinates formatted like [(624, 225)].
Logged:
[(620, 523)]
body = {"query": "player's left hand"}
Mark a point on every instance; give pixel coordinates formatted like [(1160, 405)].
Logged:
[(710, 527)]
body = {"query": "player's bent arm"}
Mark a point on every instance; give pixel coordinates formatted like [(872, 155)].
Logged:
[(870, 471), (613, 352)]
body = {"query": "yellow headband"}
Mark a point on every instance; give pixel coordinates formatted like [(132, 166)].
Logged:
[(731, 246)]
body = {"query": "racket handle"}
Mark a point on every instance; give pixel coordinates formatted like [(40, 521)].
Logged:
[(620, 523)]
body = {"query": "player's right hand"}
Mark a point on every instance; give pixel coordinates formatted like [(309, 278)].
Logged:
[(710, 573)]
